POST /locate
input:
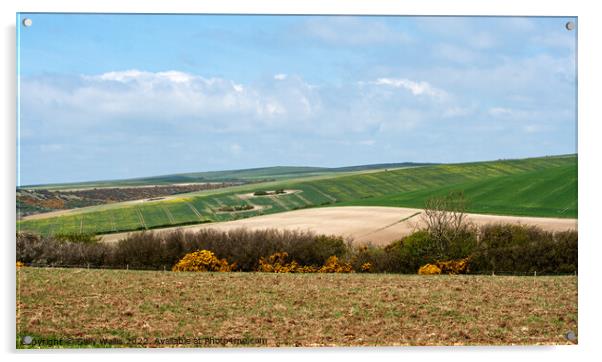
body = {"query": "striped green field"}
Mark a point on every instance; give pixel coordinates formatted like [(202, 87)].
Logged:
[(545, 186)]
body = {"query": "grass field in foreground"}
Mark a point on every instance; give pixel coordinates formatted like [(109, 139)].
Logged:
[(545, 186), (294, 309)]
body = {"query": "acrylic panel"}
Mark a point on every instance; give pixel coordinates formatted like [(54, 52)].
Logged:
[(281, 180)]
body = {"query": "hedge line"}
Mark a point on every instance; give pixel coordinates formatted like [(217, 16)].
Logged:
[(495, 247)]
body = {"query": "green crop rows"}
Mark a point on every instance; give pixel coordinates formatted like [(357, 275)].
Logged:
[(544, 186)]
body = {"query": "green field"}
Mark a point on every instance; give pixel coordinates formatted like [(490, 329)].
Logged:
[(545, 186)]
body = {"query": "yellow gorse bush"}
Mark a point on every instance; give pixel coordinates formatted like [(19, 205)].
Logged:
[(366, 267), (333, 265), (457, 266), (278, 263), (202, 261), (20, 265), (429, 269)]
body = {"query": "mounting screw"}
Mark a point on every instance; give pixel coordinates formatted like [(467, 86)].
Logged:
[(570, 26), (27, 340), (570, 335), (27, 22)]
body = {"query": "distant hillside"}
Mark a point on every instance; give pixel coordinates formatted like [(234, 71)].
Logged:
[(545, 186), (245, 175)]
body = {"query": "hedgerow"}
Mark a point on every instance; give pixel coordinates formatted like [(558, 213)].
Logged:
[(489, 248)]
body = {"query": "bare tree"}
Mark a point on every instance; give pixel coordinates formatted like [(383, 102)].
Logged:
[(445, 219)]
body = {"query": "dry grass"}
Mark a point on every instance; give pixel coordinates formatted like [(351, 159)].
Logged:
[(296, 309)]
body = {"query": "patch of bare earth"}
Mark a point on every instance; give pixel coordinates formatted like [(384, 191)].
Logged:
[(378, 225), (297, 309)]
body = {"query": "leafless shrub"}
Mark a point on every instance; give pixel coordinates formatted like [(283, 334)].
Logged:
[(445, 220)]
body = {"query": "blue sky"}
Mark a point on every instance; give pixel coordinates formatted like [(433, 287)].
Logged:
[(121, 96)]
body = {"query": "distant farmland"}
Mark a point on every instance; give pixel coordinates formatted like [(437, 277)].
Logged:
[(544, 186)]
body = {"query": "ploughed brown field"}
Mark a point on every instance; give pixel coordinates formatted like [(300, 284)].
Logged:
[(162, 308), (375, 224)]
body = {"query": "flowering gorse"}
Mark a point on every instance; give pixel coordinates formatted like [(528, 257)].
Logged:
[(452, 267), (278, 263), (203, 261), (333, 265), (429, 269)]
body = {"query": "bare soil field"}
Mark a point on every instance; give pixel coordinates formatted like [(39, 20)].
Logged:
[(143, 308), (375, 224)]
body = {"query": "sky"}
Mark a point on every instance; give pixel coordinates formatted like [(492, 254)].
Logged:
[(121, 96)]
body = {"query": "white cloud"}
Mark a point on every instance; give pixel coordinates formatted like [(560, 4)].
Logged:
[(280, 76), (514, 114), (417, 88), (170, 96), (136, 75), (121, 76), (270, 109), (173, 101)]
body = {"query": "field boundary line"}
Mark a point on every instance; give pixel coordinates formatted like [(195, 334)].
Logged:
[(141, 218), (280, 203), (112, 218), (296, 203), (191, 206), (303, 198), (168, 213), (393, 224), (329, 197), (127, 267), (383, 180), (54, 225)]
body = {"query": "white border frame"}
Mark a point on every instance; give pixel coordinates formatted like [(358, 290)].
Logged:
[(589, 61)]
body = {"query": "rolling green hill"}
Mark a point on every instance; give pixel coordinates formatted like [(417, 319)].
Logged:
[(246, 175), (545, 186), (549, 192)]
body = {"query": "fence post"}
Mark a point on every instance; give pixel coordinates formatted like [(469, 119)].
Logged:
[(88, 265), (535, 273), (163, 267), (127, 266)]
